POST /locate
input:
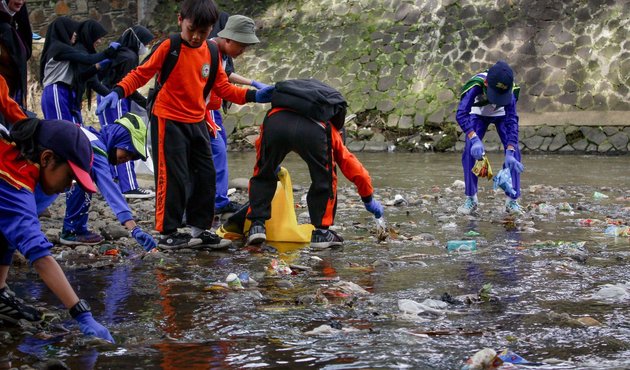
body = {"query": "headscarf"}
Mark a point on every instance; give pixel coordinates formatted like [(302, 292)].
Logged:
[(88, 32), (134, 36), (17, 37), (116, 136), (127, 57), (58, 39)]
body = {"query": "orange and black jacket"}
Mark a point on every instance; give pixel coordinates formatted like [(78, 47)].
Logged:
[(181, 97)]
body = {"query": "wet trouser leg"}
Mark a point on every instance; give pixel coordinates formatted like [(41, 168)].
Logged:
[(125, 173), (200, 204), (281, 133), (272, 146), (184, 161), (219, 157), (77, 210), (516, 177), (468, 161)]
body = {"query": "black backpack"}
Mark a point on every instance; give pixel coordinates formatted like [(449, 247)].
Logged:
[(171, 61), (311, 98)]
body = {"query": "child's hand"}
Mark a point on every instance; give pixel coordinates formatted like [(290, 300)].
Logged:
[(258, 85), (375, 208), (512, 163), (264, 95), (89, 326), (108, 101), (143, 238), (476, 149)]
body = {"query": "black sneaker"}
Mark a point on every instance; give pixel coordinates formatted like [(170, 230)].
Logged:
[(213, 241), (231, 207), (139, 193), (13, 309), (256, 233), (177, 241), (324, 238)]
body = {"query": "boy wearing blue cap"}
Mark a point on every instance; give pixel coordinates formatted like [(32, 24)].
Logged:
[(49, 154), (117, 143), (490, 97)]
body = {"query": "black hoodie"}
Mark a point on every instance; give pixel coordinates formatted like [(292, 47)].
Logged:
[(127, 59), (17, 38)]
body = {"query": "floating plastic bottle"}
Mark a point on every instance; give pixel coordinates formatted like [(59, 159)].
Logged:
[(461, 245), (233, 281)]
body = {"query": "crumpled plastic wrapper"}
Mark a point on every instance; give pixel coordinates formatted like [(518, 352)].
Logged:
[(482, 168)]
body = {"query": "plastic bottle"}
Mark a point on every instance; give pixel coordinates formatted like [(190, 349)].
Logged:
[(233, 281), (461, 245)]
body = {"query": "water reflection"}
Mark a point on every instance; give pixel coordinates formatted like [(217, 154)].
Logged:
[(163, 316)]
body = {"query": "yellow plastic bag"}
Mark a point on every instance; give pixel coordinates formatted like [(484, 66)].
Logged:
[(482, 168), (282, 226)]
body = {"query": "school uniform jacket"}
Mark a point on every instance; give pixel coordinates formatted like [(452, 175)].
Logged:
[(19, 225), (181, 98), (103, 179)]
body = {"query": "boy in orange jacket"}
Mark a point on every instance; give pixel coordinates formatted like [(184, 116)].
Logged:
[(182, 149)]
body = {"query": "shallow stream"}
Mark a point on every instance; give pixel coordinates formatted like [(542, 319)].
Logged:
[(165, 314)]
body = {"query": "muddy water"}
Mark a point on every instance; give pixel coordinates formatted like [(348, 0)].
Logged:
[(163, 313)]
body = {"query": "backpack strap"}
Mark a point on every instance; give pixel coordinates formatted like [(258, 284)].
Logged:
[(214, 67), (171, 57)]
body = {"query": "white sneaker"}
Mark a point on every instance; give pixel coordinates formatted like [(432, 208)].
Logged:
[(139, 193), (512, 207), (469, 206)]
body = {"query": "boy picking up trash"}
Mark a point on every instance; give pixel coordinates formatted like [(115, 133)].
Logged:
[(49, 154)]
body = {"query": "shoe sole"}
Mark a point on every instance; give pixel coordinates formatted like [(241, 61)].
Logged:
[(72, 242), (223, 244), (258, 238), (138, 196), (190, 244), (325, 245)]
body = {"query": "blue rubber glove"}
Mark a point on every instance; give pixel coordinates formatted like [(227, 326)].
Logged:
[(512, 163), (476, 149), (264, 95), (89, 326), (374, 207), (114, 45), (104, 63), (258, 85), (144, 239), (108, 101)]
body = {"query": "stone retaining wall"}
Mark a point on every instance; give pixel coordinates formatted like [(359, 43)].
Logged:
[(400, 63)]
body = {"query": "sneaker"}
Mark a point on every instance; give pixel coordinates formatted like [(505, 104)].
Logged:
[(231, 207), (89, 238), (257, 233), (213, 241), (324, 238), (177, 241), (512, 207), (139, 193), (468, 207), (13, 309)]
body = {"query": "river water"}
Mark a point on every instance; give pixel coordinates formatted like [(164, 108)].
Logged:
[(541, 281)]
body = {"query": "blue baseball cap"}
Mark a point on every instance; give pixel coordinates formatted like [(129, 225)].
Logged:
[(500, 81), (67, 141)]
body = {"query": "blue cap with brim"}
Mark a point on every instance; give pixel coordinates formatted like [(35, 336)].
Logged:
[(500, 81), (67, 141)]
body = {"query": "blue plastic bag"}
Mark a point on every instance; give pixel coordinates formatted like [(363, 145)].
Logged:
[(503, 181)]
